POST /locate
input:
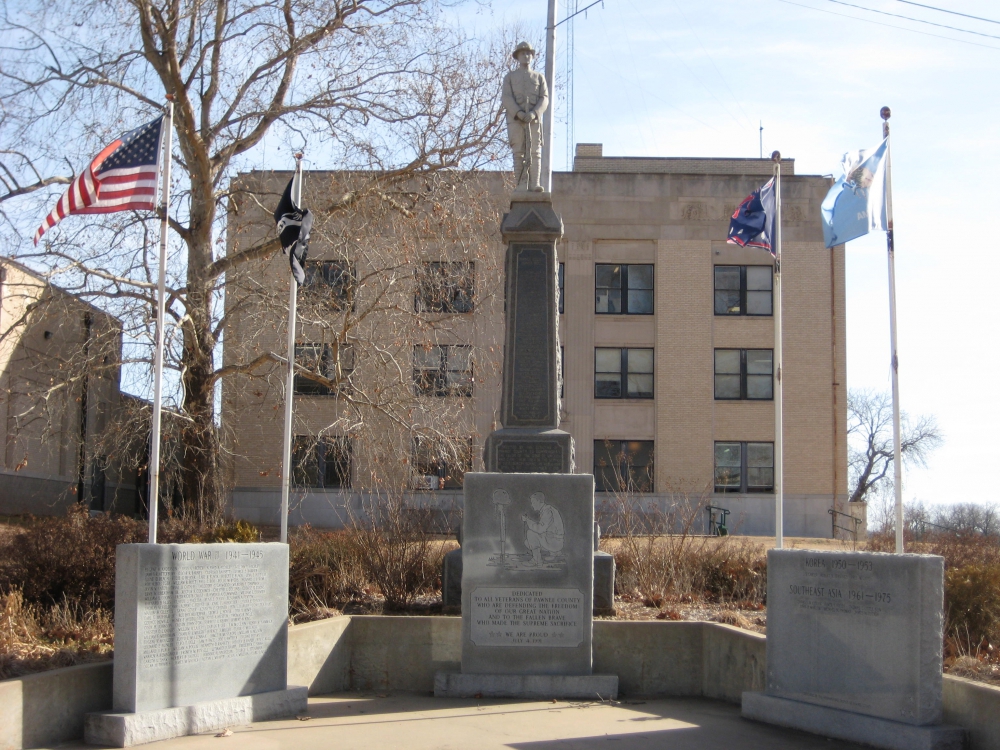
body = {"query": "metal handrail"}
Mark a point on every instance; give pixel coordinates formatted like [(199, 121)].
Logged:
[(857, 522), (717, 528)]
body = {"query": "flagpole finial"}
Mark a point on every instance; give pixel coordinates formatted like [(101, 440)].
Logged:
[(775, 156), (886, 113), (298, 155), (168, 97)]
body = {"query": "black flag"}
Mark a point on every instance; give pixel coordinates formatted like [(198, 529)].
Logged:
[(294, 225)]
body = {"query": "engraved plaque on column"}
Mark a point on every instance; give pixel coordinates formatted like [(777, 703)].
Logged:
[(531, 389)]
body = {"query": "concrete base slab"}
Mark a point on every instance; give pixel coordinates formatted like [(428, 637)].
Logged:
[(126, 730), (845, 725), (587, 687)]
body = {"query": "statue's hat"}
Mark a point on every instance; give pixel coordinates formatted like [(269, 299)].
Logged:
[(522, 47)]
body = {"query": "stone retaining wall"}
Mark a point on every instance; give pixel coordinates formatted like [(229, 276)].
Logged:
[(402, 653)]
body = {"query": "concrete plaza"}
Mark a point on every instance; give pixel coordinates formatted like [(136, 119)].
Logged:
[(371, 722)]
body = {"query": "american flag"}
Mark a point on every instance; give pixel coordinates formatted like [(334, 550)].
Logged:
[(121, 177)]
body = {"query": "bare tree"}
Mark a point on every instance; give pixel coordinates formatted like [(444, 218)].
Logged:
[(870, 448), (383, 88)]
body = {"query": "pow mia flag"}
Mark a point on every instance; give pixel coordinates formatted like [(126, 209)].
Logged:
[(294, 224)]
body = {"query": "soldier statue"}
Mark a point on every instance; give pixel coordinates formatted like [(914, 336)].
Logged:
[(525, 97)]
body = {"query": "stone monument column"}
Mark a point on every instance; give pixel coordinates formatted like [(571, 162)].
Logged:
[(530, 440)]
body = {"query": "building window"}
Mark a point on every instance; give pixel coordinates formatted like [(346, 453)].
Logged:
[(441, 464), (323, 463), (623, 465), (623, 373), (744, 374), (324, 360), (743, 290), (624, 289), (445, 287), (562, 372), (562, 287), (744, 467), (443, 370), (332, 282)]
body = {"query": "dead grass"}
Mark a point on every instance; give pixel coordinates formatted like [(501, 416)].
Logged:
[(35, 639)]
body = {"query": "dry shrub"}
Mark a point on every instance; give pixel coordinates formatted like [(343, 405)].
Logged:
[(324, 573), (396, 550), (35, 638), (659, 558), (71, 558), (971, 589), (972, 610)]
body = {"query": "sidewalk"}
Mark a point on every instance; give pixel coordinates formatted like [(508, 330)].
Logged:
[(349, 721)]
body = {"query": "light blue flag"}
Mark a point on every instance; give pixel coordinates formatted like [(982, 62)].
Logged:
[(856, 203)]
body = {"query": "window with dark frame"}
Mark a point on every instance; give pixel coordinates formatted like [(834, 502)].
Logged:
[(443, 370), (440, 465), (744, 467), (623, 373), (323, 359), (562, 287), (744, 374), (445, 287), (744, 290), (333, 282), (623, 289), (321, 462), (623, 465), (562, 372)]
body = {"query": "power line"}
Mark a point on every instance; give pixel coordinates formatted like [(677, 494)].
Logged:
[(890, 25), (712, 60), (650, 27), (943, 10), (915, 20)]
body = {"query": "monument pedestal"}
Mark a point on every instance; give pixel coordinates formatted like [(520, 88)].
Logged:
[(128, 729), (847, 725), (528, 536)]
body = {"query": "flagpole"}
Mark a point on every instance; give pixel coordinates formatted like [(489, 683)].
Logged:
[(286, 449), (890, 246), (549, 114), (779, 458), (161, 324)]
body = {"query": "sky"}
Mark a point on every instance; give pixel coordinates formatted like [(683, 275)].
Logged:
[(675, 78)]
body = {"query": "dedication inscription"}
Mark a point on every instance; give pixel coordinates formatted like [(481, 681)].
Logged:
[(528, 574), (198, 622), (859, 631), (527, 617)]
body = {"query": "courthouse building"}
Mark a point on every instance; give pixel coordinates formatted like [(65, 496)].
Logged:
[(667, 336)]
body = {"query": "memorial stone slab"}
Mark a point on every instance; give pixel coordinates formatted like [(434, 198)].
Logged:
[(199, 622), (857, 631), (528, 574)]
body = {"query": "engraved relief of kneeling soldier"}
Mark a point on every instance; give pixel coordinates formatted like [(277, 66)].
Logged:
[(525, 97), (546, 533)]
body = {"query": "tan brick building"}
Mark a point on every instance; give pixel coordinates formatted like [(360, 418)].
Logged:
[(667, 336), (59, 389)]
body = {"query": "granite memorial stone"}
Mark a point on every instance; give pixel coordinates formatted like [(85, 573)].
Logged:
[(854, 647), (528, 574), (197, 622)]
